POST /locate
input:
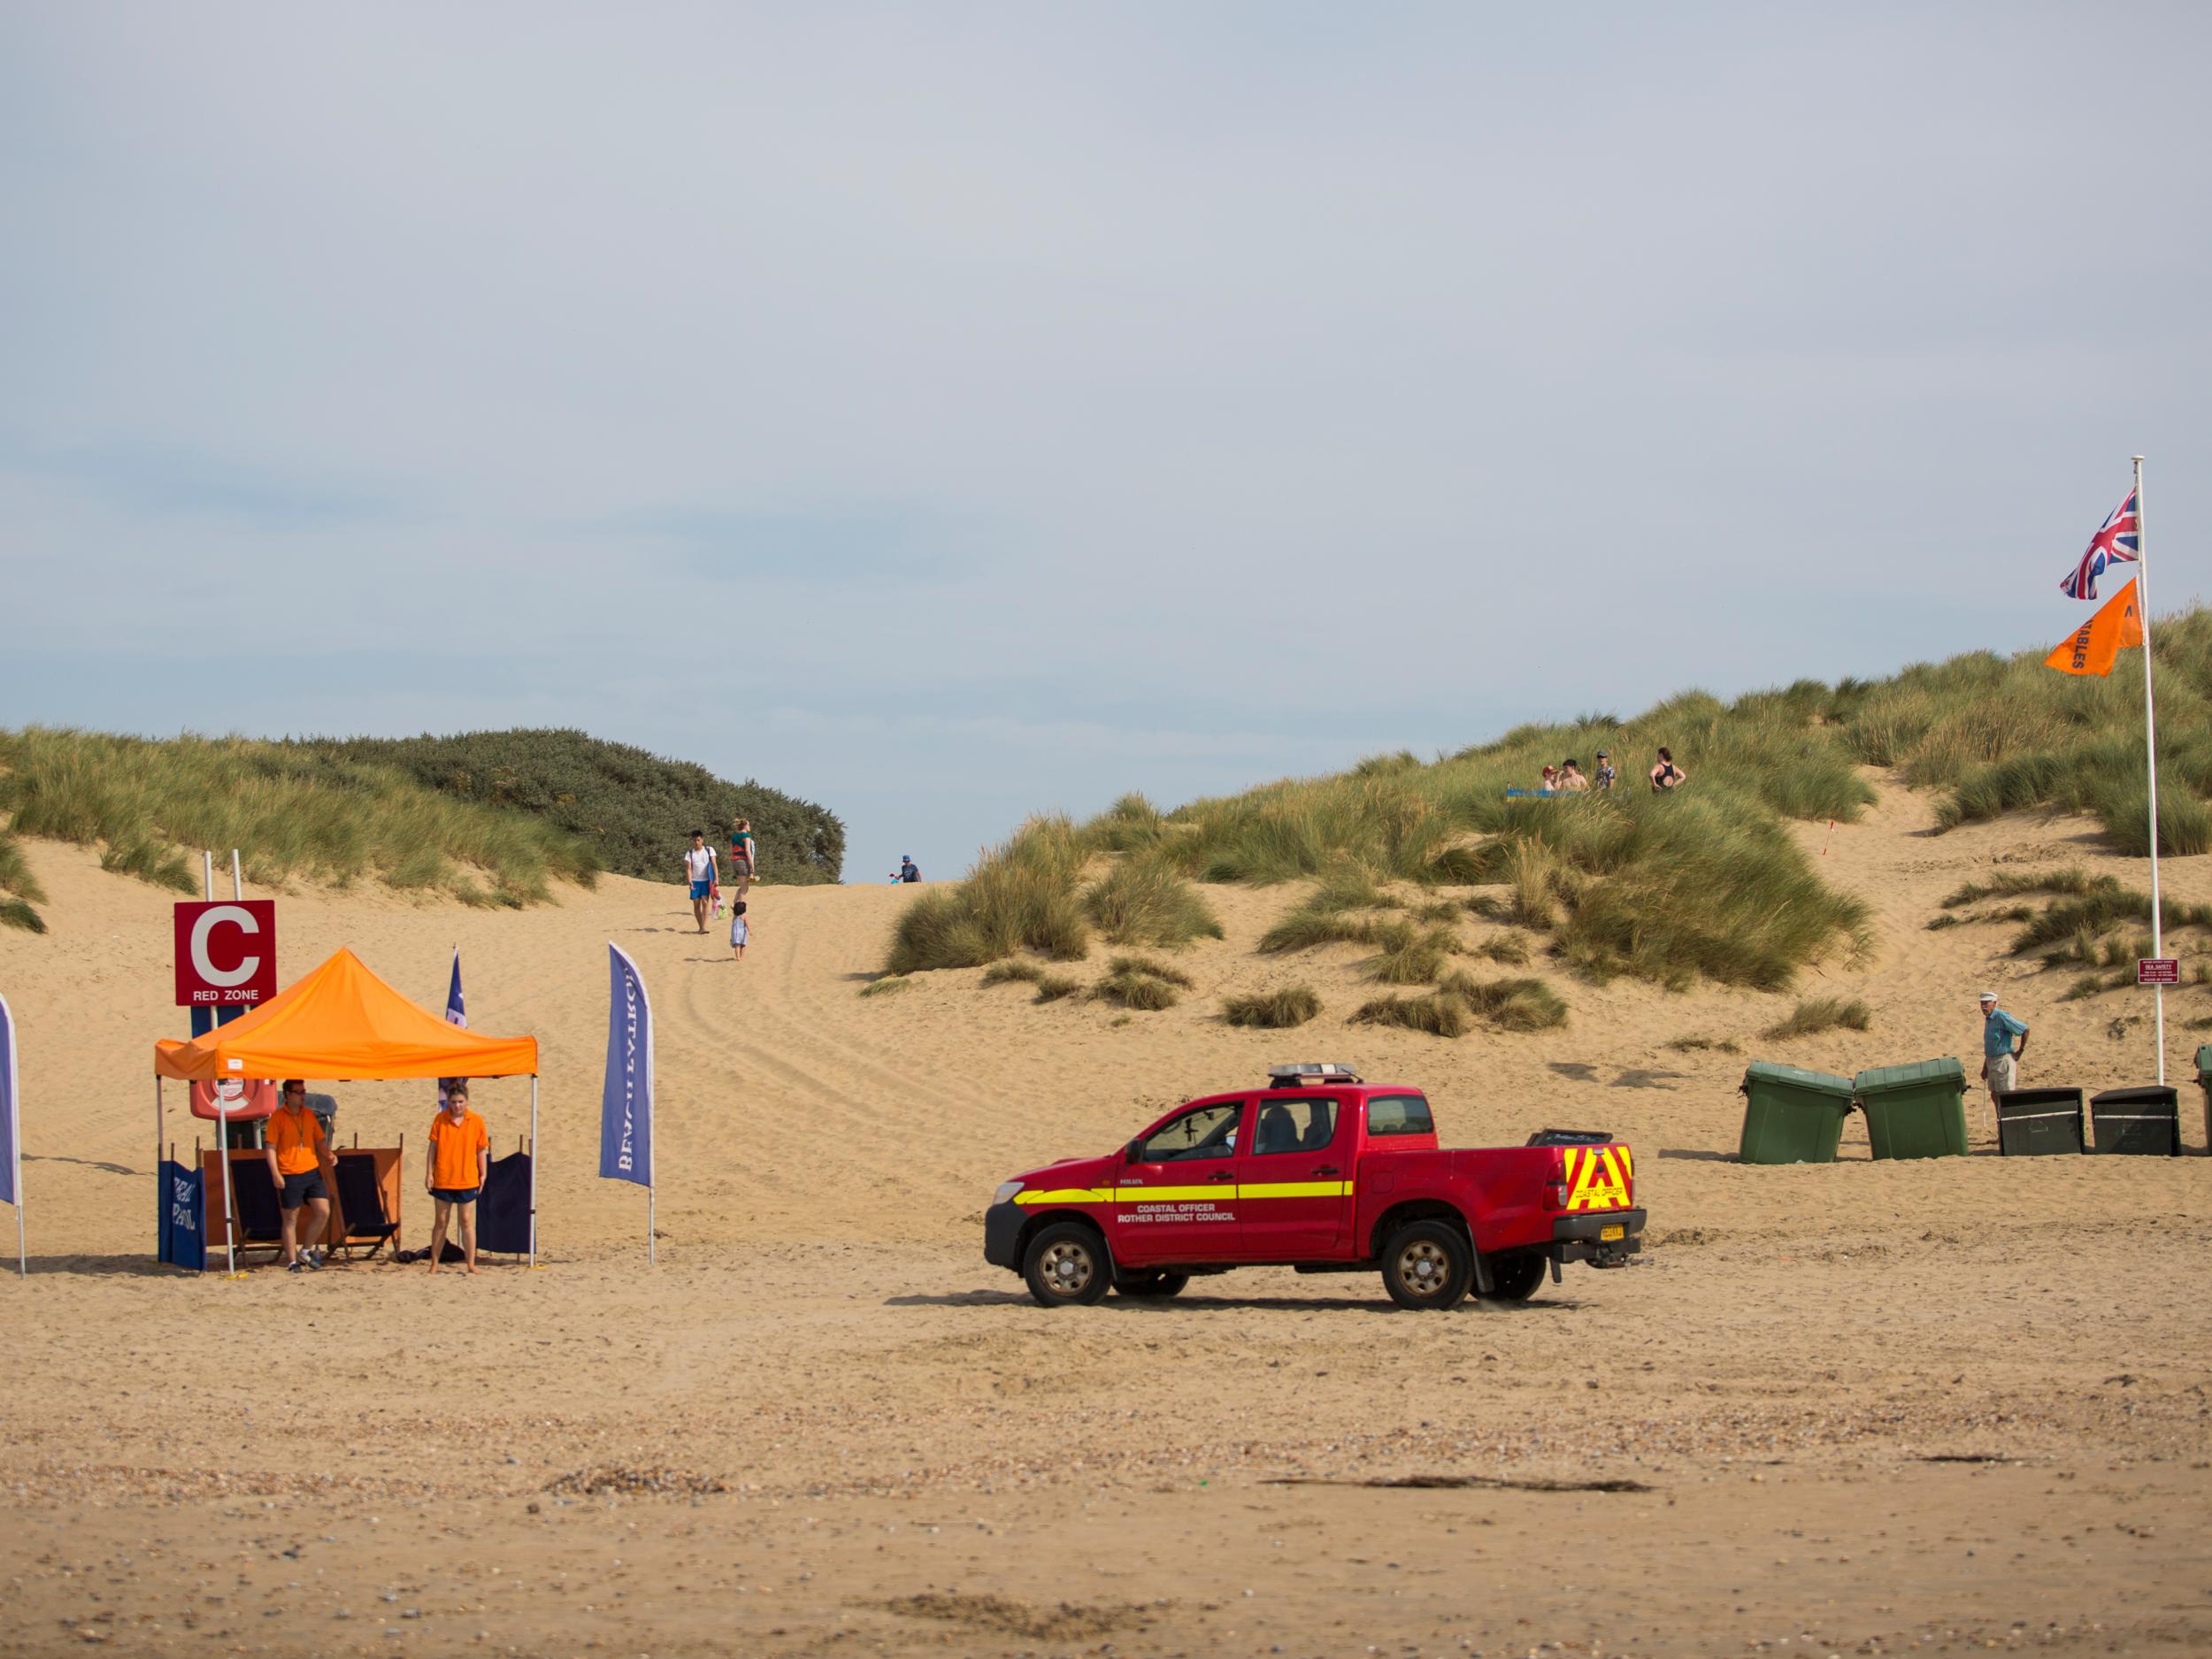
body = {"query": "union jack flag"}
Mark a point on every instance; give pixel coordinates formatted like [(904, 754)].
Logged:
[(2114, 543)]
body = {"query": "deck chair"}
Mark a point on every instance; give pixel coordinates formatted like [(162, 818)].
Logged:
[(368, 1229), (260, 1223)]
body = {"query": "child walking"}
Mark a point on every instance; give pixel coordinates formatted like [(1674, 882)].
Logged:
[(739, 932)]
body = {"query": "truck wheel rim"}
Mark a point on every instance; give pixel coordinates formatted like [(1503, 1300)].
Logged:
[(1422, 1268), (1067, 1268)]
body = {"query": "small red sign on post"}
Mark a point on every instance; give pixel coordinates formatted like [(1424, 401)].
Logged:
[(2158, 971), (226, 953)]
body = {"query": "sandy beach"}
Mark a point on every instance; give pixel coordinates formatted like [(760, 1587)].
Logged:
[(1866, 1408)]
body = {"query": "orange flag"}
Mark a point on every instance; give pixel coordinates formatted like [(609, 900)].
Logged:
[(2090, 650)]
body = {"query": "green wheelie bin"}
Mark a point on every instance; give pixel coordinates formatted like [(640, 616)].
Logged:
[(1915, 1110), (1792, 1116)]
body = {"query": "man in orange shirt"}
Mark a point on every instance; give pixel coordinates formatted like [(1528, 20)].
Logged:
[(458, 1165), (299, 1157)]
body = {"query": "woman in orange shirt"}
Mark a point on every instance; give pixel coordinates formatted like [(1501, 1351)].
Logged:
[(455, 1173)]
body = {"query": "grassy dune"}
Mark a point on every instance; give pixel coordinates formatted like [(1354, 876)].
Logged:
[(288, 811), (1704, 883)]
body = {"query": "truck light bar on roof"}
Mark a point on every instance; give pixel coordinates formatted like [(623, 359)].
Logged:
[(1291, 1076)]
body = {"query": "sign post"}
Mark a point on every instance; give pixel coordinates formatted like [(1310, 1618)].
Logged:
[(12, 1135), (226, 964)]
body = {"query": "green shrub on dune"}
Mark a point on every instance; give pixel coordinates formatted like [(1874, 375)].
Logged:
[(1143, 901), (1439, 1015), (19, 891), (1521, 1004), (1822, 1013), (631, 806), (1279, 1010), (1022, 895)]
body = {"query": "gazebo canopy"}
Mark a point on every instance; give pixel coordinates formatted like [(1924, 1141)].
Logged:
[(341, 1021)]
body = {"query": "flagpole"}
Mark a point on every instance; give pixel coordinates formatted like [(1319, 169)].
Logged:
[(533, 1169), (2150, 751)]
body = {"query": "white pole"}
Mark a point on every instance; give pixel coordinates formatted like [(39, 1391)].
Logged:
[(237, 888), (533, 1169), (230, 1222), (207, 876), (2150, 749), (15, 1141), (161, 1193)]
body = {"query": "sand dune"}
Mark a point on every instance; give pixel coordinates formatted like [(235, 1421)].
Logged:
[(827, 1421)]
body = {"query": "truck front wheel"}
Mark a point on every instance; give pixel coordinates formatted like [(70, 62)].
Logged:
[(1066, 1265), (1427, 1264), (1514, 1278)]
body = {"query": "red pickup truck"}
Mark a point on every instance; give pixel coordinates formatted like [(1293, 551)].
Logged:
[(1326, 1173)]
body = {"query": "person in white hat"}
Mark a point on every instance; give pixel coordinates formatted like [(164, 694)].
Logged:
[(2001, 1059)]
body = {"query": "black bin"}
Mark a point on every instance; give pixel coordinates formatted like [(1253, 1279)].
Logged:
[(2031, 1122), (2146, 1122)]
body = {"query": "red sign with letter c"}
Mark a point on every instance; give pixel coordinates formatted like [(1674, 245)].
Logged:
[(226, 953)]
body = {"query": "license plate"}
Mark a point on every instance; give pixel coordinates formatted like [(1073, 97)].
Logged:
[(1606, 1235)]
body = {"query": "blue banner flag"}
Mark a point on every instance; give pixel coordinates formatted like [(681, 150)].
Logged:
[(455, 1012), (626, 1103), (10, 1122)]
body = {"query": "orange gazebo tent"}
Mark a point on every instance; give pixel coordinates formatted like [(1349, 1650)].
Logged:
[(341, 1021)]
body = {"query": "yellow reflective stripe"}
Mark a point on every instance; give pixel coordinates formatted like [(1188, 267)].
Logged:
[(1180, 1194), (1297, 1189), (1188, 1193), (1184, 1194)]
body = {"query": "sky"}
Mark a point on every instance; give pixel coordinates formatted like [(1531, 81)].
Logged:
[(950, 413)]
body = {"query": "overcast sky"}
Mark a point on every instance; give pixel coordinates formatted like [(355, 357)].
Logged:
[(946, 412)]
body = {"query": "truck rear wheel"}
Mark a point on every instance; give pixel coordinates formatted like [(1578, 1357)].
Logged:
[(1427, 1264), (1150, 1284), (1066, 1266), (1515, 1278)]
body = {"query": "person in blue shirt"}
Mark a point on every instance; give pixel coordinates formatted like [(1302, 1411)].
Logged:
[(907, 870), (2000, 1060)]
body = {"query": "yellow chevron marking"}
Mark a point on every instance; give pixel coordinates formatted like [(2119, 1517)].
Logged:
[(1597, 1178)]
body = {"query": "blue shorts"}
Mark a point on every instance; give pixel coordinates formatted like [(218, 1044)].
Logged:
[(702, 889), (456, 1194)]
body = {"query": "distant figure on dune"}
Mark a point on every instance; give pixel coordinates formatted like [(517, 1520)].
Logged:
[(2000, 1061), (1605, 777), (1570, 776), (743, 855), (699, 871), (1665, 774), (908, 870), (740, 930), (1551, 778)]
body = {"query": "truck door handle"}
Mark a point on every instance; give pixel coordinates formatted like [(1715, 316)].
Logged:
[(1327, 1169), (1221, 1175)]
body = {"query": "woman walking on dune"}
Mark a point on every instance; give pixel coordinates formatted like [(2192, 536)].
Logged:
[(741, 855)]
